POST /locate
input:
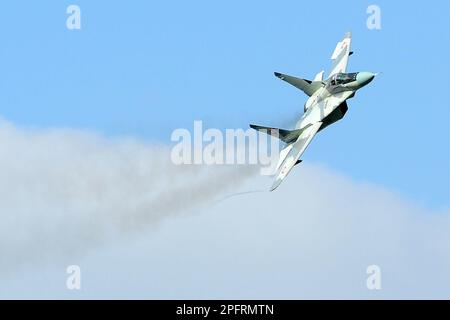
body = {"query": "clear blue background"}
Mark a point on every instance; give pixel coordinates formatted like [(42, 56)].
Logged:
[(144, 68)]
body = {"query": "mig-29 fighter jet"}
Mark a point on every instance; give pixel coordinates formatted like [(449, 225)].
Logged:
[(327, 103)]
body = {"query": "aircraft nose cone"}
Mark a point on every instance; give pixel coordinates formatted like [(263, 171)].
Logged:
[(364, 78)]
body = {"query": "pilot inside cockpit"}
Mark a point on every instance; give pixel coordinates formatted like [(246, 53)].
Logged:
[(342, 78)]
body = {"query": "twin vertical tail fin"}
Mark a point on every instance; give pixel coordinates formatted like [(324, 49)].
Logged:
[(290, 156)]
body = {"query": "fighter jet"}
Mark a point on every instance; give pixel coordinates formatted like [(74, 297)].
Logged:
[(327, 103)]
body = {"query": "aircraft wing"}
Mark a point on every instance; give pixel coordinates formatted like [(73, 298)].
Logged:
[(291, 154), (340, 55), (307, 86)]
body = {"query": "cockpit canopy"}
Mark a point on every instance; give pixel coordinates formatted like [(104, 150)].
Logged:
[(342, 78)]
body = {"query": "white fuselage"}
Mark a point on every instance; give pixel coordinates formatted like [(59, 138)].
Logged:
[(322, 103), (332, 95)]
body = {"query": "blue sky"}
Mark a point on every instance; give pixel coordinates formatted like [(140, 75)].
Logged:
[(145, 68)]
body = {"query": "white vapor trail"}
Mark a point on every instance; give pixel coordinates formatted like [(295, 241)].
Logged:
[(64, 191)]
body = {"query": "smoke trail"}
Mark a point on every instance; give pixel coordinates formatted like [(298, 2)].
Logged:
[(64, 191)]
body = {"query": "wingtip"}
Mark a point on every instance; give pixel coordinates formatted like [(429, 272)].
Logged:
[(275, 184)]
